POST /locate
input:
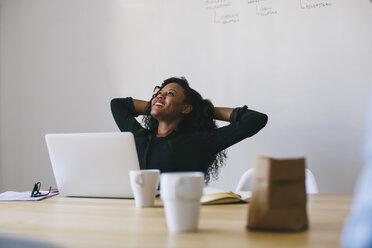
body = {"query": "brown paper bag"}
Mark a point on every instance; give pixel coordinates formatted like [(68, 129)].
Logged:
[(278, 200)]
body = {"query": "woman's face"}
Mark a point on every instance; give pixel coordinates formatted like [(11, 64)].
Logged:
[(168, 104)]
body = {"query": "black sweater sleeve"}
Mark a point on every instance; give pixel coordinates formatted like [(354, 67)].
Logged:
[(244, 123), (124, 114)]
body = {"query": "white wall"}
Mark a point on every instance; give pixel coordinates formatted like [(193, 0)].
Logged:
[(306, 63)]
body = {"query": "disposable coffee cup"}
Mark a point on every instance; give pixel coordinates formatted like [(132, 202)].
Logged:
[(144, 184), (181, 193)]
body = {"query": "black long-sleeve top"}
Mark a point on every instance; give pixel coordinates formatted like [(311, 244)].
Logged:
[(185, 151)]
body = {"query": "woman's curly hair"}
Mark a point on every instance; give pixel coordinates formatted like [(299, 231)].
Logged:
[(201, 118)]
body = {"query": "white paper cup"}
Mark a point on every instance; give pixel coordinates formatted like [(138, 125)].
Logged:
[(180, 193), (144, 184)]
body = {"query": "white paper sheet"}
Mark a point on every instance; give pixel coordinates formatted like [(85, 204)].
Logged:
[(24, 196)]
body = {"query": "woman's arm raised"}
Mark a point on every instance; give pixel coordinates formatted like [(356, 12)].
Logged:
[(124, 113), (139, 106), (222, 114)]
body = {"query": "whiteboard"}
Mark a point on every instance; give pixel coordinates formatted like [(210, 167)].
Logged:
[(306, 63)]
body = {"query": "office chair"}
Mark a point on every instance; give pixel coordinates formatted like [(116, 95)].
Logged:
[(246, 181)]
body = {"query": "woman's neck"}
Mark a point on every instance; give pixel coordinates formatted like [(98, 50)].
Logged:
[(166, 128)]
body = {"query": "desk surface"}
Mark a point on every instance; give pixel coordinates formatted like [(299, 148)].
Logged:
[(88, 222)]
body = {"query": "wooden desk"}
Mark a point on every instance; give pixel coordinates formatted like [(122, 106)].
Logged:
[(79, 222)]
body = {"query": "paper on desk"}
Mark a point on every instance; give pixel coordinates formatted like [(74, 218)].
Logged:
[(212, 190), (24, 196), (213, 196)]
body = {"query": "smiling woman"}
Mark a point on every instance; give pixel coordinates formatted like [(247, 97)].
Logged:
[(180, 132), (169, 108)]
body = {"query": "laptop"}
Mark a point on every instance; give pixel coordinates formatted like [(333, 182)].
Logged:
[(93, 164)]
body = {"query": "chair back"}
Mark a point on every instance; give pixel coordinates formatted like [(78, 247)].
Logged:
[(246, 182)]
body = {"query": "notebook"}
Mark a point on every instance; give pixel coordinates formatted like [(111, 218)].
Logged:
[(93, 164), (218, 196)]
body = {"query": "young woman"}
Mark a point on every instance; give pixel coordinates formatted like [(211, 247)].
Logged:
[(180, 132)]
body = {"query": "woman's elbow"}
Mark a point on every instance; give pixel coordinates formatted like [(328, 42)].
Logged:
[(263, 120), (258, 124), (114, 101)]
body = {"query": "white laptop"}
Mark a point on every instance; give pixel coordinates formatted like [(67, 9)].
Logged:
[(93, 164)]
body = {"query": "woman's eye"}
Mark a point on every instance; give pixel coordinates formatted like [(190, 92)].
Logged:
[(170, 93)]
